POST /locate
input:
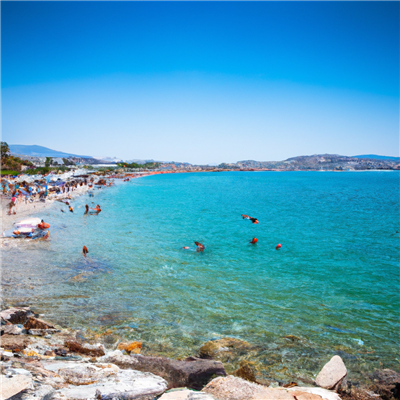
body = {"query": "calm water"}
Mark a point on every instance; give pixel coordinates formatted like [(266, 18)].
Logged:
[(334, 284)]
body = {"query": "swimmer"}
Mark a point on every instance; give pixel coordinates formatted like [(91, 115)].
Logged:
[(254, 220), (254, 241), (244, 216), (185, 248), (71, 209), (62, 210), (200, 247), (85, 251), (86, 209), (42, 225), (97, 209)]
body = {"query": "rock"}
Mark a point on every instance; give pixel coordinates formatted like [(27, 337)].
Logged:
[(386, 383), (124, 385), (321, 393), (11, 330), (15, 384), (16, 315), (233, 388), (43, 392), (123, 361), (216, 348), (96, 350), (42, 332), (332, 374), (133, 347), (36, 323), (15, 343), (185, 394), (246, 371), (193, 372), (86, 374)]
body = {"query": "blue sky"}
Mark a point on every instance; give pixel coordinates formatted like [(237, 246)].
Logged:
[(203, 82)]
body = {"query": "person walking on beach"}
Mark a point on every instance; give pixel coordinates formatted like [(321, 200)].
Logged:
[(200, 247), (85, 251)]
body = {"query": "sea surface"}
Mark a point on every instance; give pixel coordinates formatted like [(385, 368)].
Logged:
[(332, 288)]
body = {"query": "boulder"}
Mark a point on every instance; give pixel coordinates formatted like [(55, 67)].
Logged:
[(86, 374), (233, 388), (186, 394), (133, 347), (246, 371), (10, 386), (193, 372), (222, 347), (124, 385), (321, 393), (16, 315), (332, 374), (36, 323), (94, 350), (15, 343)]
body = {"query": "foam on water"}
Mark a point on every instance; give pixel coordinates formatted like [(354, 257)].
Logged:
[(333, 284)]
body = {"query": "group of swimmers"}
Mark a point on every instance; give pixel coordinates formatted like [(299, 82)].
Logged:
[(200, 247), (96, 210)]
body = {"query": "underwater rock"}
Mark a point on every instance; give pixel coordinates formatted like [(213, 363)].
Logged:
[(233, 388), (246, 371), (16, 315), (133, 347), (96, 350), (332, 374), (217, 348), (386, 383)]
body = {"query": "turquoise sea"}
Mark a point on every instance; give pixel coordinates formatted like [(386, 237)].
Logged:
[(334, 284)]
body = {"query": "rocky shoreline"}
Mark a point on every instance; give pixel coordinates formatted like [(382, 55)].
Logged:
[(42, 361)]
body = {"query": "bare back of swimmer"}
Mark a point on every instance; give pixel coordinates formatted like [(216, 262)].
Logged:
[(85, 251), (200, 247)]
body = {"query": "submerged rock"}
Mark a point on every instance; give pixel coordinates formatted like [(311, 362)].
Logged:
[(332, 374), (246, 371), (219, 348)]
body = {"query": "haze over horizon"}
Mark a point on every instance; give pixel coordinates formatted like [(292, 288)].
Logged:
[(202, 82)]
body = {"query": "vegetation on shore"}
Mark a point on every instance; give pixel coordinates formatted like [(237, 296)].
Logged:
[(148, 165)]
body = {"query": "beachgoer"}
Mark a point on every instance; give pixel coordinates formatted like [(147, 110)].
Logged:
[(253, 241), (71, 209), (245, 216), (85, 251), (86, 209), (186, 247), (200, 247), (254, 220), (62, 210)]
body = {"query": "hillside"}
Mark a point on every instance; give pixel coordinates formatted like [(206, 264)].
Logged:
[(376, 157), (40, 151)]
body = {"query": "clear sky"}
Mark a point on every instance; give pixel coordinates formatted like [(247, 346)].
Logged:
[(202, 82)]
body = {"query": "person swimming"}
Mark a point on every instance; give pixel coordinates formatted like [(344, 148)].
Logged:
[(86, 209), (200, 247), (71, 209), (97, 209), (253, 241), (244, 216), (85, 251), (254, 220), (185, 248)]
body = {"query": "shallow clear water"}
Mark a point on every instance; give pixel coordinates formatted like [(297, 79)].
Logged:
[(334, 284)]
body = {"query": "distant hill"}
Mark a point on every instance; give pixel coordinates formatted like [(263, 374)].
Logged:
[(40, 151), (376, 157)]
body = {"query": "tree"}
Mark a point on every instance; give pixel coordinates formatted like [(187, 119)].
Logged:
[(5, 151), (48, 161)]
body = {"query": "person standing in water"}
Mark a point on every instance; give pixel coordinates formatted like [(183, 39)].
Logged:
[(86, 209)]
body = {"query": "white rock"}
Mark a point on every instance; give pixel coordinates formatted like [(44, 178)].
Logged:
[(12, 386), (186, 394), (86, 374), (332, 374), (324, 393), (126, 384), (42, 392)]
